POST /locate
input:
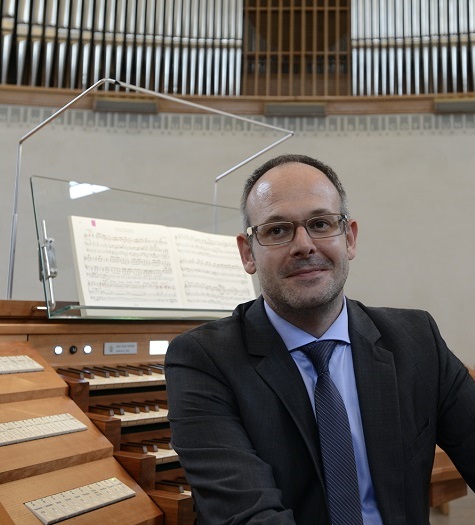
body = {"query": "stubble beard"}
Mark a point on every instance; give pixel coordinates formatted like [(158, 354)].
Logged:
[(308, 299)]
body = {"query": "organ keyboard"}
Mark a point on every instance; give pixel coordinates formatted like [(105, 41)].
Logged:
[(16, 364), (38, 427), (80, 500)]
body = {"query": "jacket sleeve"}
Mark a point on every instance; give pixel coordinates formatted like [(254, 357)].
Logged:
[(456, 411), (231, 484)]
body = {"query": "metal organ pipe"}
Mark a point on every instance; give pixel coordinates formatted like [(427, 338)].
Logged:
[(413, 46), (172, 46)]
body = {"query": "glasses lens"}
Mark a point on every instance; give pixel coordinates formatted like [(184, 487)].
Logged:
[(324, 226), (275, 233), (317, 227)]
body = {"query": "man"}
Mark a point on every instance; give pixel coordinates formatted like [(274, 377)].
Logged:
[(243, 415)]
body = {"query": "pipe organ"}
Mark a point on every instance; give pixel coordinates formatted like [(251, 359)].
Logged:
[(170, 46), (412, 47), (208, 47)]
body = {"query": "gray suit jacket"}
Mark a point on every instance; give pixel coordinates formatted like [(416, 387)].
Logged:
[(246, 435)]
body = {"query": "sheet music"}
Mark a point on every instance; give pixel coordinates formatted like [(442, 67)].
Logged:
[(135, 265), (211, 269)]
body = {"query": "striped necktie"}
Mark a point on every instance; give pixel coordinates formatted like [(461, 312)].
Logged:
[(336, 446)]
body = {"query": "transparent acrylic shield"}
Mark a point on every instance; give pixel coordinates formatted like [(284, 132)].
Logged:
[(104, 253), (116, 160)]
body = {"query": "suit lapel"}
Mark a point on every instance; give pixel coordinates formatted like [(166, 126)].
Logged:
[(377, 387), (276, 367)]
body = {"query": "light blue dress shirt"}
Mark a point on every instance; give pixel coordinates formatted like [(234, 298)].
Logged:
[(342, 374)]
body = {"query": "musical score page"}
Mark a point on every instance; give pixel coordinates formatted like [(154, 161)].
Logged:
[(135, 265), (211, 270)]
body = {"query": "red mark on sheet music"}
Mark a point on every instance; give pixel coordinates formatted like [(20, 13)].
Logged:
[(93, 222)]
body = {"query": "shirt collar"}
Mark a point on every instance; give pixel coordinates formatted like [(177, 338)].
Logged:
[(294, 337)]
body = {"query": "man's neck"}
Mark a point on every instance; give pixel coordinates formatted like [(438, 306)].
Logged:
[(315, 321)]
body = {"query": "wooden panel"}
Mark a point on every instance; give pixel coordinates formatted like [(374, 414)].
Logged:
[(43, 455), (109, 426), (20, 387), (244, 105), (178, 508), (45, 344), (9, 338), (445, 491), (446, 483), (139, 510), (140, 466)]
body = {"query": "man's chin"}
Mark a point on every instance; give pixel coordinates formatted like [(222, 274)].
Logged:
[(310, 299)]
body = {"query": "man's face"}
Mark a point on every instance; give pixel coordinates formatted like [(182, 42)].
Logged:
[(305, 273)]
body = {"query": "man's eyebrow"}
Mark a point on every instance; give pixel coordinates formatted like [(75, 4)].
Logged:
[(315, 213)]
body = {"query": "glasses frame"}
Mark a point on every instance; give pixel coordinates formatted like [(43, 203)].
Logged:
[(252, 231)]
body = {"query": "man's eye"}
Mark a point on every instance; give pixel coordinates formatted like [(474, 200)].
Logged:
[(276, 230), (320, 225)]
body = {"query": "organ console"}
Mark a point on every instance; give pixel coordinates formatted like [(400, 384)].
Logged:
[(123, 393), (54, 463)]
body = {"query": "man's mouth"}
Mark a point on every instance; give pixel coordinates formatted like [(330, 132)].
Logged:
[(308, 271)]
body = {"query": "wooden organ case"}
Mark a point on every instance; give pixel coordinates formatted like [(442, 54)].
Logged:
[(124, 395)]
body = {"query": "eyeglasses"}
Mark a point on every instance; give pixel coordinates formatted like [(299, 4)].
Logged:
[(320, 227)]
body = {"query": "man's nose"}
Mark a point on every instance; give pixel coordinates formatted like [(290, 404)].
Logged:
[(302, 244)]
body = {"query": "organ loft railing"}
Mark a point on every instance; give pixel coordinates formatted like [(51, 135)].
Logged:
[(297, 48)]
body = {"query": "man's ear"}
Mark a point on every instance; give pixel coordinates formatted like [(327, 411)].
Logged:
[(351, 234), (245, 251)]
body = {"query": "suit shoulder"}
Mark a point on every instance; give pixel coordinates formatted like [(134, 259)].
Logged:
[(213, 327), (213, 345), (392, 312), (392, 318), (228, 328)]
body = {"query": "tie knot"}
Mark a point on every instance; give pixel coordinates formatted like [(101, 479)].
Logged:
[(319, 352)]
